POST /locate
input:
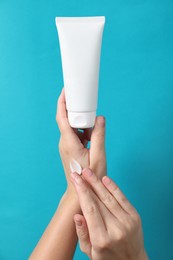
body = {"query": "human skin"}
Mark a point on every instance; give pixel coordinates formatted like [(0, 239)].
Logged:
[(110, 227), (73, 144), (59, 239)]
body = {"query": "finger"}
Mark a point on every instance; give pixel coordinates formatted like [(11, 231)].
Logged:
[(97, 146), (102, 192), (89, 208), (118, 194), (83, 234), (61, 116), (98, 135), (63, 123)]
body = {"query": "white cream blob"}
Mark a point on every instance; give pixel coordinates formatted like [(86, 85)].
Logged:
[(75, 166)]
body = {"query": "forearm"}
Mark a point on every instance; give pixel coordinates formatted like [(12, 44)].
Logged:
[(59, 239)]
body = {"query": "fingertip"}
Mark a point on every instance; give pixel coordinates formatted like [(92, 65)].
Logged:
[(87, 172), (99, 126), (78, 223), (78, 219), (101, 121), (106, 180)]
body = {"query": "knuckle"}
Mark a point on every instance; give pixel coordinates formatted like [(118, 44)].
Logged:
[(57, 118), (102, 244), (133, 225), (121, 235), (90, 209), (129, 225), (83, 189), (83, 235), (123, 199), (108, 199), (115, 188), (95, 179), (137, 219)]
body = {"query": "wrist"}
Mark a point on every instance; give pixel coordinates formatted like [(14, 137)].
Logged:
[(71, 193), (71, 197), (69, 204)]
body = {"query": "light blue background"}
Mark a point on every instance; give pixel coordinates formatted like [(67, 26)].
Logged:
[(136, 96)]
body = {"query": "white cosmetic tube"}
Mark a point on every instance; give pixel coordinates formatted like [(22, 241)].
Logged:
[(80, 44)]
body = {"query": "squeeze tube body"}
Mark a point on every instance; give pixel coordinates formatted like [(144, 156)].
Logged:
[(80, 44)]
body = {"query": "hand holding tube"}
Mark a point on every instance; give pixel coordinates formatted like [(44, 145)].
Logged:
[(73, 144)]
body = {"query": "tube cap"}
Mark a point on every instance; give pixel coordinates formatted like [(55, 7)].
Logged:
[(81, 119)]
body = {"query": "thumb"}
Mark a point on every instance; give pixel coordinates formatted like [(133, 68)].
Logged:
[(97, 146), (98, 135), (83, 234)]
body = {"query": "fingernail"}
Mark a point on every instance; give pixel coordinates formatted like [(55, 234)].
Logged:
[(78, 222), (87, 172), (106, 180), (101, 121), (76, 178)]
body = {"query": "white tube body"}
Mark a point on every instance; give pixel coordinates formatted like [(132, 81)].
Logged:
[(80, 44)]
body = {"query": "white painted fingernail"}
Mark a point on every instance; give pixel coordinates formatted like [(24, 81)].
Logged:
[(75, 166)]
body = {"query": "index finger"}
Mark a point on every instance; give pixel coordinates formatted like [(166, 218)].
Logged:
[(89, 208)]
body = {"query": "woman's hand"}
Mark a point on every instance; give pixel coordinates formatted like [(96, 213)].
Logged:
[(59, 239), (110, 227), (73, 144)]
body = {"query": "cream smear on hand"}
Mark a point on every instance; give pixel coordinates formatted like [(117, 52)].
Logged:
[(75, 167)]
